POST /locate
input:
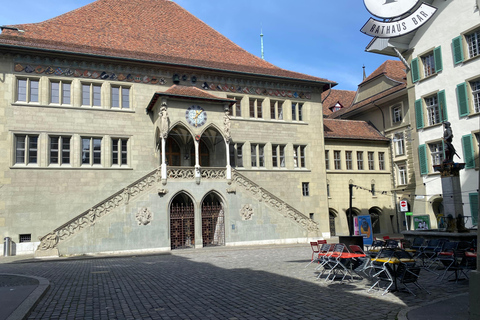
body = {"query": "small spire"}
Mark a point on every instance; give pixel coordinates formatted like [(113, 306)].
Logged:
[(261, 42), (364, 75)]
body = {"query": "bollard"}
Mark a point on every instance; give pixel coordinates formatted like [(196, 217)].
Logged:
[(7, 247)]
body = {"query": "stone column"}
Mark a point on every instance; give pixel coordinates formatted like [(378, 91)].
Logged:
[(197, 159), (226, 129), (164, 162), (164, 126)]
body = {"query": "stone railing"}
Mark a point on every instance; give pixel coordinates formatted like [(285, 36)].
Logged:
[(213, 173), (272, 201), (88, 218)]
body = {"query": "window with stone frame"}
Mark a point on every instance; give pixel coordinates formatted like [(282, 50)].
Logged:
[(236, 108), (276, 110), (473, 43), (60, 92), (257, 155), (436, 153), (428, 62), (236, 155), (119, 151), (26, 149), (91, 151), (28, 90), (327, 160), (60, 149), (399, 143), (348, 160), (305, 189), (278, 156), (402, 178), (359, 160), (299, 160), (371, 160), (255, 106), (337, 159), (91, 94), (397, 114), (381, 160), (433, 110), (121, 97)]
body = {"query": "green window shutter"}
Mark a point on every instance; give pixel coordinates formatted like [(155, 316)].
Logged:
[(422, 157), (468, 154), (457, 50), (419, 113), (462, 97), (415, 70), (437, 56), (442, 104), (473, 197)]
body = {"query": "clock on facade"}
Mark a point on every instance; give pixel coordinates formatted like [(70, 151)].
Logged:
[(196, 116)]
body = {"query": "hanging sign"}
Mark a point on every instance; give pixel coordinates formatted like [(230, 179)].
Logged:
[(400, 27), (403, 206)]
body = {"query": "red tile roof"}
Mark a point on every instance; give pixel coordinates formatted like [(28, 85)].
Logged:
[(350, 129), (344, 97), (394, 70), (148, 30), (185, 92)]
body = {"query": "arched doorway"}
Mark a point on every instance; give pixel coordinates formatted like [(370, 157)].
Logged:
[(332, 214), (375, 213), (182, 222), (438, 210), (213, 221)]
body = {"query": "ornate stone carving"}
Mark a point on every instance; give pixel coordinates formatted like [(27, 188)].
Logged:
[(213, 174), (144, 216), (247, 212), (272, 201), (89, 217), (164, 120), (226, 125), (181, 174)]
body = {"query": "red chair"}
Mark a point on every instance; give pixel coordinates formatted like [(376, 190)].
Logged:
[(315, 250)]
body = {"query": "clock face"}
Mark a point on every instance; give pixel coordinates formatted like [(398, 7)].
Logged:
[(196, 116), (389, 8)]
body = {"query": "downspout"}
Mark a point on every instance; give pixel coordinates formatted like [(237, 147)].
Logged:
[(329, 91), (399, 55)]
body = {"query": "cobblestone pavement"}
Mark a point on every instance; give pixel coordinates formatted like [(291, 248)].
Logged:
[(269, 282)]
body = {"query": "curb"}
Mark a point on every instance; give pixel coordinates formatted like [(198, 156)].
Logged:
[(402, 315), (24, 309)]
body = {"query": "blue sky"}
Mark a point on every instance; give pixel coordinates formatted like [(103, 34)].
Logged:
[(317, 37)]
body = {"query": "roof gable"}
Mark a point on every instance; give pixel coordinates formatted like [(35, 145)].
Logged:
[(152, 30), (350, 129)]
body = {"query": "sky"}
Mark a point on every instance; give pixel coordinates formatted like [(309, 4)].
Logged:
[(317, 37)]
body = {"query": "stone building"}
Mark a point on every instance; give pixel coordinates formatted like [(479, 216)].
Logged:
[(151, 138)]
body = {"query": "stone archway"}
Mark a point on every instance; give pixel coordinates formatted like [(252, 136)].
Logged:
[(182, 222), (213, 221)]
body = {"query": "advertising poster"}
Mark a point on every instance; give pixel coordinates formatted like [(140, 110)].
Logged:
[(421, 222), (356, 230), (365, 225)]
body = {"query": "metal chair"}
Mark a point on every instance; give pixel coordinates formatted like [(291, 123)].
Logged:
[(406, 274), (383, 274), (315, 250)]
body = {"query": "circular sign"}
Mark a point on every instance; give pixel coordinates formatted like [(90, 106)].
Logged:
[(389, 8), (403, 205)]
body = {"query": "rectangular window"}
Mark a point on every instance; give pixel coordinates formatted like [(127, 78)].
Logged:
[(348, 160), (236, 109), (119, 151), (60, 150), (120, 97), (91, 94), (328, 190), (25, 237), (397, 115), (473, 42), (300, 112), (360, 160), (60, 92), (27, 90), (475, 85), (253, 154), (337, 161), (433, 110), (399, 144), (402, 174), (381, 161), (91, 151), (278, 156), (371, 161), (327, 160), (261, 155), (436, 152), (256, 108), (294, 111), (305, 189), (26, 148), (373, 189), (276, 110), (299, 156), (428, 62), (236, 155)]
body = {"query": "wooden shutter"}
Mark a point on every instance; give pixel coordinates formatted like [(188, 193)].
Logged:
[(473, 197), (457, 46), (422, 158), (415, 70), (419, 113), (437, 56), (468, 154), (462, 98), (442, 105)]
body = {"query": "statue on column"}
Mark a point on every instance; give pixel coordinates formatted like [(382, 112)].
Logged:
[(226, 125), (163, 120), (447, 139)]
